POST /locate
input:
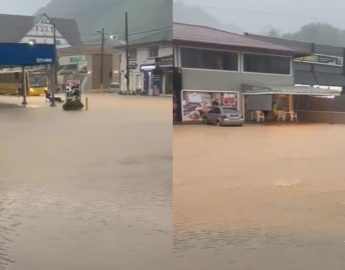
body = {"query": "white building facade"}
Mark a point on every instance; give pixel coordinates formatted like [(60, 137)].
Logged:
[(42, 32), (150, 69), (39, 30)]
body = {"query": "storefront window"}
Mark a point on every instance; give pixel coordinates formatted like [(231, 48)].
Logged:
[(153, 52), (208, 59), (132, 54), (266, 64)]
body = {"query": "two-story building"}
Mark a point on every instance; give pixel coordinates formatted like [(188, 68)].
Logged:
[(233, 70), (150, 63), (38, 29)]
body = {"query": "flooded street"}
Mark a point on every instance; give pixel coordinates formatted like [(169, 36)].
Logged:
[(259, 197), (86, 190)]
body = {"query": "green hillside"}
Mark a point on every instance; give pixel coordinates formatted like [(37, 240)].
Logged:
[(93, 15), (196, 15)]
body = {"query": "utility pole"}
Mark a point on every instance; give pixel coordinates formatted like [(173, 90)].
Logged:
[(24, 86), (54, 69), (102, 63), (127, 54), (343, 88)]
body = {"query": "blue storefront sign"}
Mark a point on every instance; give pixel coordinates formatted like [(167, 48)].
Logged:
[(23, 54)]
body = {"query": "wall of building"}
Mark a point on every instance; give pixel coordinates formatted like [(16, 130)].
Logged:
[(80, 60), (222, 80), (206, 79), (308, 73), (107, 71), (225, 80), (92, 61), (43, 33), (136, 78)]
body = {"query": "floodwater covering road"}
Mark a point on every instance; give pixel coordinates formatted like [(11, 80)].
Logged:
[(259, 197), (86, 190)]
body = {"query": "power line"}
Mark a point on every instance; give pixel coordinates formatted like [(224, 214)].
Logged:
[(153, 30), (91, 33), (267, 13), (163, 29)]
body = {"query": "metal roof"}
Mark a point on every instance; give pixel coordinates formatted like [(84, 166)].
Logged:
[(204, 34), (14, 27)]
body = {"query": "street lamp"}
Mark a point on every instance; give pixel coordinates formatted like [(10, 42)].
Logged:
[(52, 104), (24, 79), (24, 86), (127, 52), (126, 43), (54, 65), (101, 85)]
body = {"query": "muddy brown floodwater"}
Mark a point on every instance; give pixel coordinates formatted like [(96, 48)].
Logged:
[(86, 190), (259, 197)]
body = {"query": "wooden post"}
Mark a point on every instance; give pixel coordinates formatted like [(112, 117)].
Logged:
[(291, 103)]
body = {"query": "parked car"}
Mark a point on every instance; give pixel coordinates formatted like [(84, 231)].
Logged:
[(224, 116)]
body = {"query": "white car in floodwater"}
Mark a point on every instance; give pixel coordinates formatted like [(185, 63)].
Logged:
[(224, 116)]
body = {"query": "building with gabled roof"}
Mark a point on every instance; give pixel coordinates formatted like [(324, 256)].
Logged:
[(235, 70), (187, 33), (38, 29), (150, 61)]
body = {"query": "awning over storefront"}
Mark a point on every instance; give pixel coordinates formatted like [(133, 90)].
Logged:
[(287, 90)]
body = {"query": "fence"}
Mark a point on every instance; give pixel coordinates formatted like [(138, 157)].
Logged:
[(324, 110)]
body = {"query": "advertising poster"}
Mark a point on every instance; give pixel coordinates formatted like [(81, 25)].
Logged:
[(72, 88), (72, 84), (156, 86), (196, 104)]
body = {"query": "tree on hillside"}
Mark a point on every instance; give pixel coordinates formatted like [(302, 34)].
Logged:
[(273, 32), (196, 15), (319, 33)]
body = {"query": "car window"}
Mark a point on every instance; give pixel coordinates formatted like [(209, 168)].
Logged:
[(229, 110), (216, 110)]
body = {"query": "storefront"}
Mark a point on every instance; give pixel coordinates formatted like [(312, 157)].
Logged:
[(213, 64), (158, 77), (278, 98)]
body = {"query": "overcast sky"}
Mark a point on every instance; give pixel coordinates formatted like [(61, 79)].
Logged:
[(21, 7), (251, 15), (288, 15)]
